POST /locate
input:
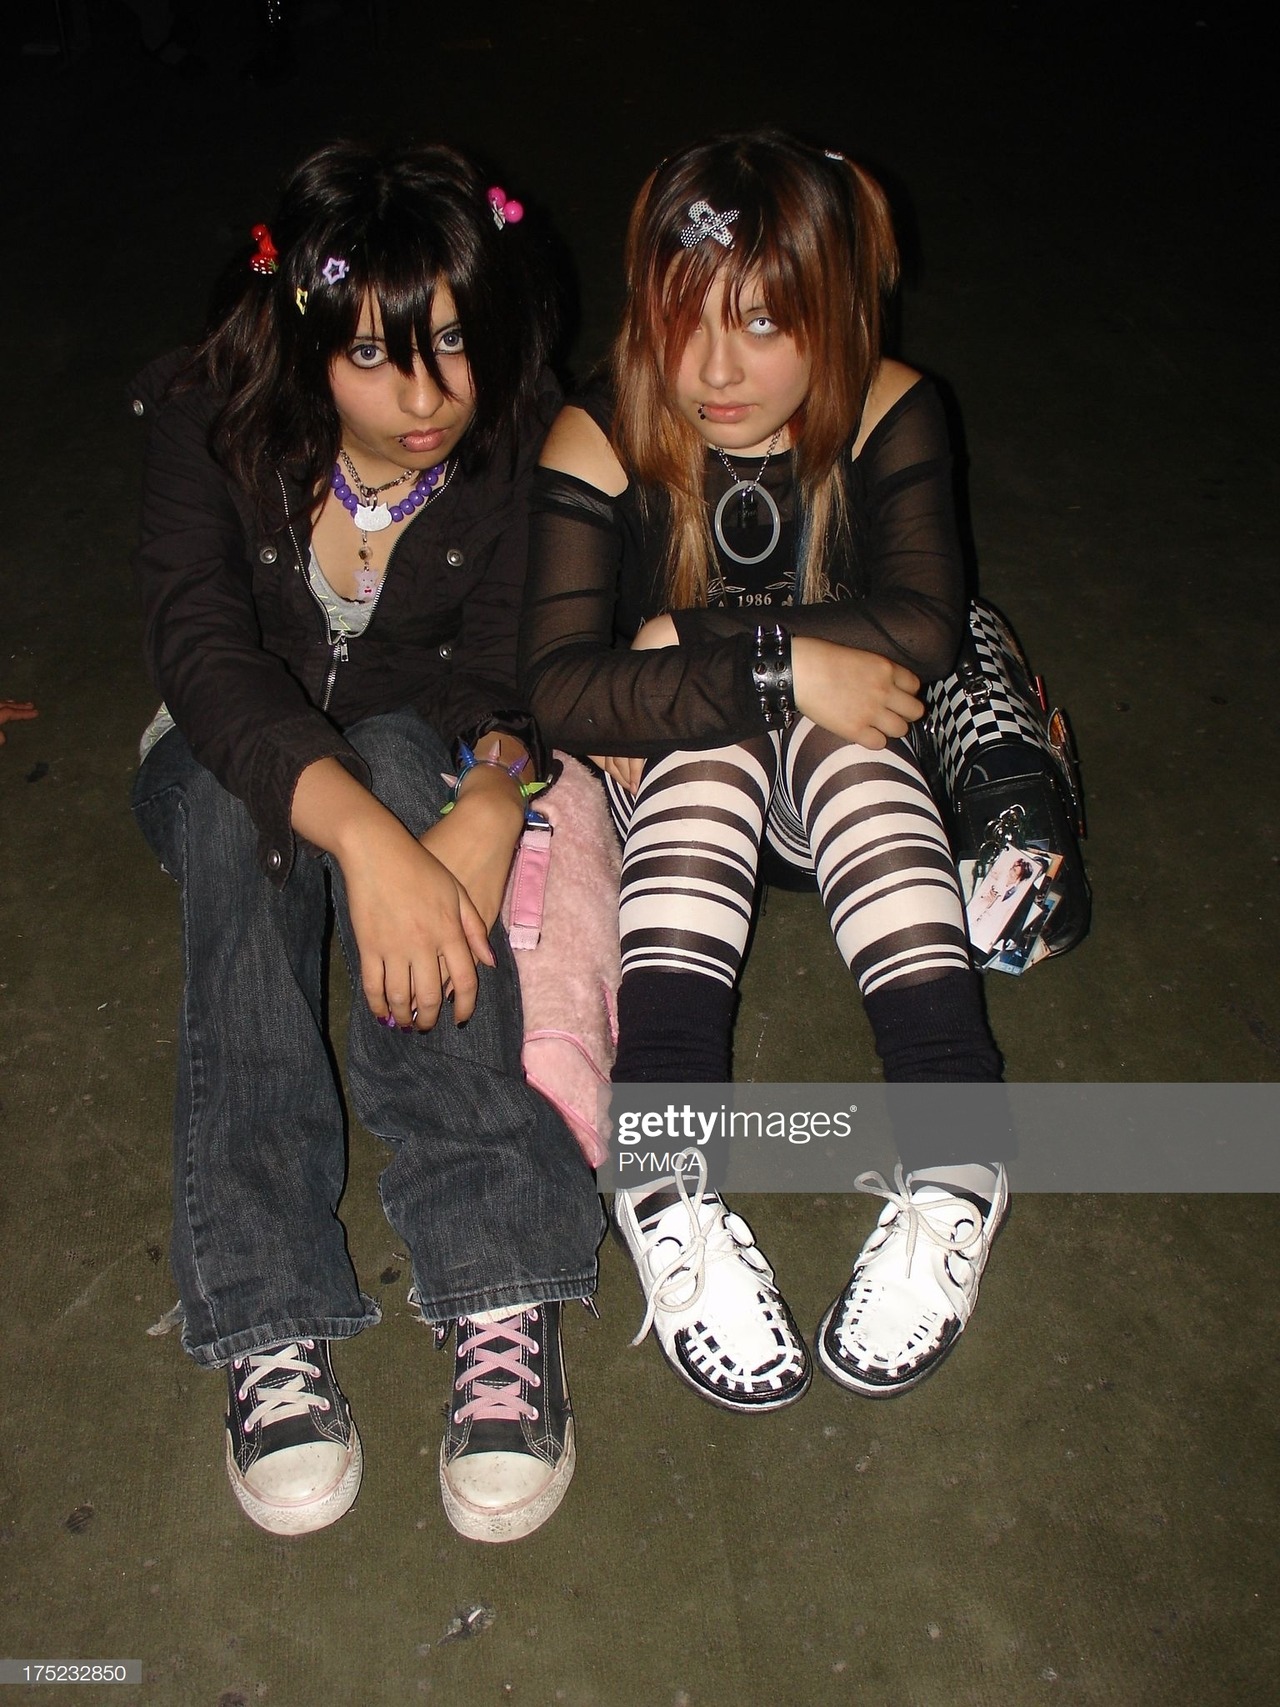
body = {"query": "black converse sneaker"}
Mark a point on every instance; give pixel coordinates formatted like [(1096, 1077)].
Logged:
[(710, 1296), (914, 1286), (293, 1454), (507, 1456)]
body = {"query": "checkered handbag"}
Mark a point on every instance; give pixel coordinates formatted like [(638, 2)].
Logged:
[(993, 748)]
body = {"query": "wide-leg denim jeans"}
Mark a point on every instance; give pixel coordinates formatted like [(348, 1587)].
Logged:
[(486, 1186)]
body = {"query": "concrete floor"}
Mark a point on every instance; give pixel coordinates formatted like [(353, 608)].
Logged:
[(1082, 1507)]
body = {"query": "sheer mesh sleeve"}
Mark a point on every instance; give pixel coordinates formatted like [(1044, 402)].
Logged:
[(906, 571), (589, 692)]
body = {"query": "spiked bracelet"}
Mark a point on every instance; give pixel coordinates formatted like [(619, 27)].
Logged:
[(771, 676), (467, 761)]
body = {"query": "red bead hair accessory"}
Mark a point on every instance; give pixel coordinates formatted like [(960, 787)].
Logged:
[(268, 256), (504, 212)]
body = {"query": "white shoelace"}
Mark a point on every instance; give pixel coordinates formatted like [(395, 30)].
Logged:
[(291, 1398), (947, 1237), (688, 1265)]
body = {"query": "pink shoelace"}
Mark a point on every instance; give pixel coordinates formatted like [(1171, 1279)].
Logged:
[(489, 1401)]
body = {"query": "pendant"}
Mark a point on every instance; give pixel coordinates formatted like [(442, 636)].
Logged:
[(372, 518), (748, 510), (775, 519), (366, 584)]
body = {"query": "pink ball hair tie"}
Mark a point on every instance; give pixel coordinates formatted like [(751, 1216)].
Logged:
[(504, 212)]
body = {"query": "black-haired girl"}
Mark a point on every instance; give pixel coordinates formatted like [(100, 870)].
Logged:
[(333, 548), (745, 562)]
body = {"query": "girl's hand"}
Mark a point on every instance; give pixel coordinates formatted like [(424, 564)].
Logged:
[(626, 772), (416, 928), (419, 933), (476, 841), (858, 696), (15, 711)]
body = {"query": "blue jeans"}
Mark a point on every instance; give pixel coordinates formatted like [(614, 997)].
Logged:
[(486, 1186)]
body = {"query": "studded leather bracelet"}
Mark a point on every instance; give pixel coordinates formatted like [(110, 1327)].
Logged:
[(771, 675)]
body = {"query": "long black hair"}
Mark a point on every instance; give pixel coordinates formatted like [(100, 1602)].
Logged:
[(403, 219)]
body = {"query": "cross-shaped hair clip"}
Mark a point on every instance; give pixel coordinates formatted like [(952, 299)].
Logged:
[(705, 222)]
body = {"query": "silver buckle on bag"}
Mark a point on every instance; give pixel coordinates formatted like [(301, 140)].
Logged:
[(977, 689)]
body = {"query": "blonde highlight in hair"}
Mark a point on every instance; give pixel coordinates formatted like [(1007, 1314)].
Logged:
[(814, 234)]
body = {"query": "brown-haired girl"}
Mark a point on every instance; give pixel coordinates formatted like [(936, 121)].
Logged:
[(745, 563)]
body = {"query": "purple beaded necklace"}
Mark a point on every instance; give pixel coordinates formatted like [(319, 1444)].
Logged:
[(371, 517)]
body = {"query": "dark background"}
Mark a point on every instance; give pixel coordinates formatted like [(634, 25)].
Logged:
[(1082, 1507)]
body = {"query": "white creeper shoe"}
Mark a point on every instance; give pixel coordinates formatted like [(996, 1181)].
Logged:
[(913, 1287), (710, 1296)]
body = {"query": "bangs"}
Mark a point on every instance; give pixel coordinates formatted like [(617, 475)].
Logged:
[(402, 271), (405, 296), (405, 308), (401, 278), (759, 264)]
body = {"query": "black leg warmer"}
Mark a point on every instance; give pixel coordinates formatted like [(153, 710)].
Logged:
[(673, 1026), (936, 1034)]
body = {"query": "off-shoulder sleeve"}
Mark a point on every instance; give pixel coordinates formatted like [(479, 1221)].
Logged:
[(589, 692), (902, 559)]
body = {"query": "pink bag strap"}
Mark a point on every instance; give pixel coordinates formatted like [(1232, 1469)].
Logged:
[(527, 886)]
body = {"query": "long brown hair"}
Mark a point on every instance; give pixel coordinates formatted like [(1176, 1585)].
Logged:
[(813, 231)]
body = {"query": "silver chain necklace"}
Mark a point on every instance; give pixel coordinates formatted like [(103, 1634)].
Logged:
[(377, 516), (371, 516), (748, 493)]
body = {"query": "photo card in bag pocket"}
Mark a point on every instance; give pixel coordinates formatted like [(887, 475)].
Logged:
[(1003, 767)]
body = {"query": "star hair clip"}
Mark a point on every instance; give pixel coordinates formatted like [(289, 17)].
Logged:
[(705, 222), (504, 210), (335, 269)]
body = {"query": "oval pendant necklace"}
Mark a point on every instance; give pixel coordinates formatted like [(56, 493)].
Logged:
[(748, 493)]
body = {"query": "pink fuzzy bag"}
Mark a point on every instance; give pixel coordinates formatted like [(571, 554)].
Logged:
[(569, 973)]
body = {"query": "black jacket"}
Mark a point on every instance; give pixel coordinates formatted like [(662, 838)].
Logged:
[(239, 646)]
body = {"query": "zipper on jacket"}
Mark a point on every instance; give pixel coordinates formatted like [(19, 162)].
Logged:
[(337, 655), (337, 642)]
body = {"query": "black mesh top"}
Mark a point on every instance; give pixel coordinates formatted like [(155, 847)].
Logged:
[(596, 575)]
